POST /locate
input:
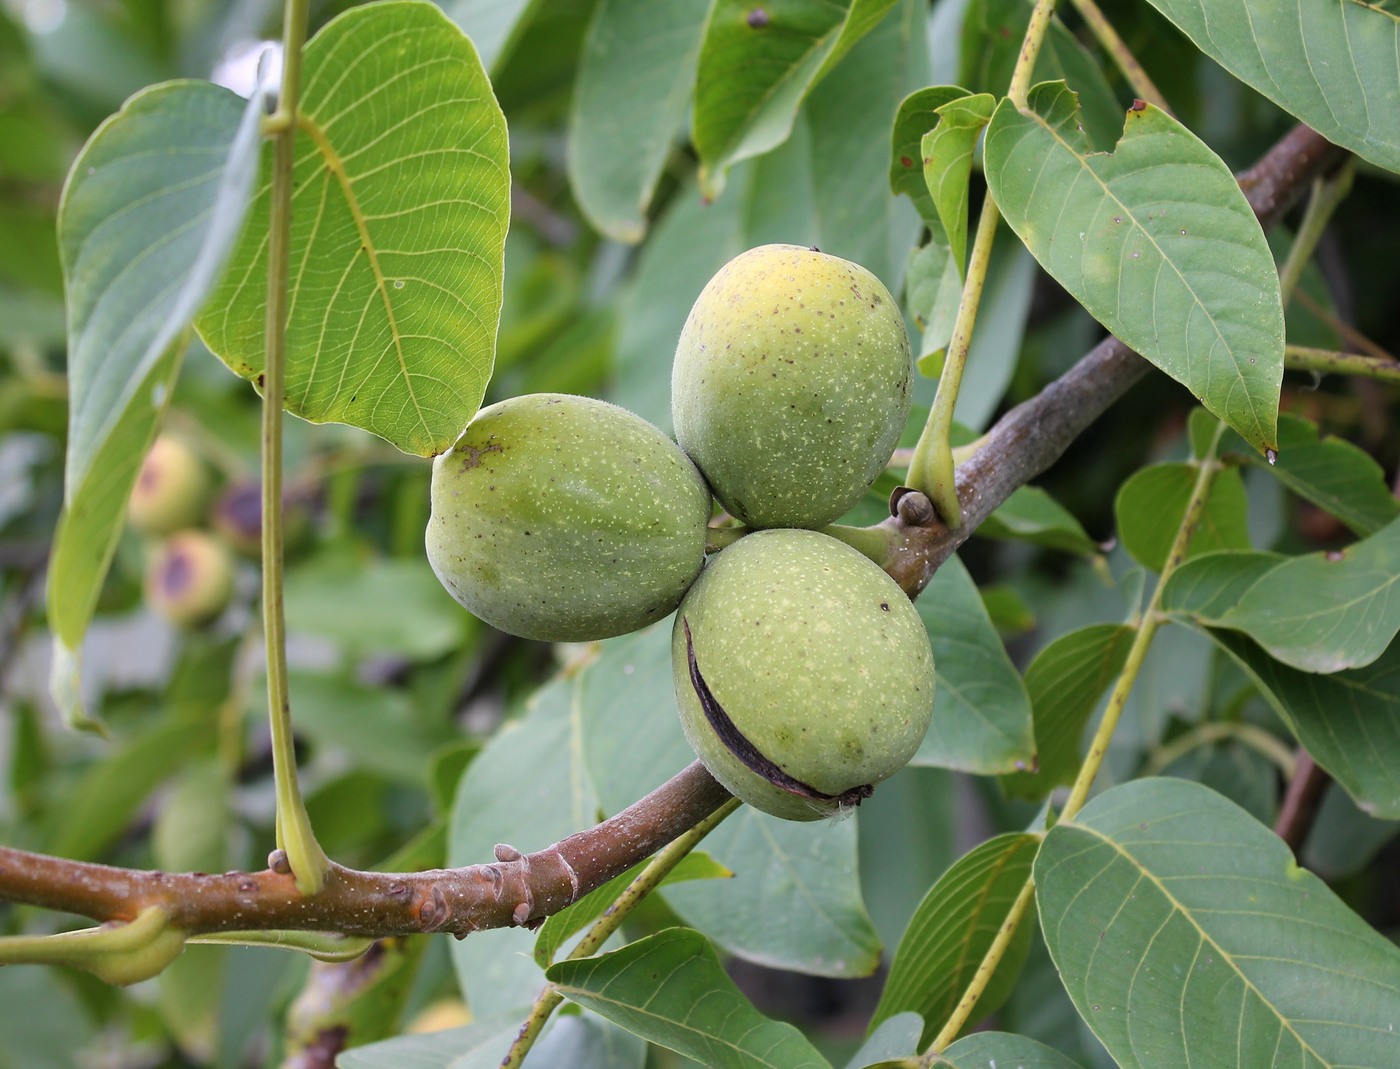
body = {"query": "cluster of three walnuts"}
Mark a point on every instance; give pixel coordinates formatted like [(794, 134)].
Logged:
[(803, 673)]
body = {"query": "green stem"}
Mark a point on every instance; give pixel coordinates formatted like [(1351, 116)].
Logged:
[(875, 542), (1137, 78), (1036, 30), (1325, 361), (294, 835), (716, 538), (931, 469), (982, 977), (1207, 469), (646, 882), (1349, 334), (1147, 627), (1327, 194), (1251, 735)]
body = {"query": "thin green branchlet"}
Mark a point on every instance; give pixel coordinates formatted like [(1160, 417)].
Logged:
[(1145, 628), (1327, 361), (647, 880), (295, 838), (932, 468), (1327, 194), (1138, 80)]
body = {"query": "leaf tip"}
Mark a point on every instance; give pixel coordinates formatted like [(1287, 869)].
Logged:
[(65, 686)]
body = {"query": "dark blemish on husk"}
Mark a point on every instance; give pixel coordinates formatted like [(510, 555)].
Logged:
[(471, 455), (737, 744)]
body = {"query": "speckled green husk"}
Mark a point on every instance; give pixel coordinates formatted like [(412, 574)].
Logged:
[(817, 657), (566, 519), (791, 385)]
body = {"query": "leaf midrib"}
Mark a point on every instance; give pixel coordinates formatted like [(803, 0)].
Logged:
[(1083, 159), (1205, 937), (333, 164)]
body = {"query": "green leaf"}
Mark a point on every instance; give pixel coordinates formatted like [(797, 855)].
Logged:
[(981, 711), (101, 805), (918, 114), (191, 830), (933, 288), (1066, 681), (46, 1026), (152, 208), (897, 1037), (946, 151), (1334, 66), (528, 789), (1185, 934), (670, 989), (153, 205), (398, 230), (1031, 515), (1203, 589), (1349, 721), (951, 931), (625, 115), (794, 901), (757, 63), (1151, 505), (1158, 243), (577, 916), (1323, 612), (988, 1050), (579, 1041), (495, 26), (1333, 474), (375, 726), (332, 595)]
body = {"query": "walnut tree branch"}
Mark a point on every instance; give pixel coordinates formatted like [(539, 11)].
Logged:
[(523, 889), (516, 889)]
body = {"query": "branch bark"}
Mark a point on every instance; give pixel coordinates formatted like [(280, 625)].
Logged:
[(1301, 801), (516, 889), (522, 889)]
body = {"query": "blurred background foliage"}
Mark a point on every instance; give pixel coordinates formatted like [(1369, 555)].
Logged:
[(396, 690)]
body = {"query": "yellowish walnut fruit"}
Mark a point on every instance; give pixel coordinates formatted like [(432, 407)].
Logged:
[(171, 491), (803, 673), (791, 385), (566, 519), (189, 578)]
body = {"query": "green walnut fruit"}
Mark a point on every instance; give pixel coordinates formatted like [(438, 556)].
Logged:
[(803, 673), (189, 578), (791, 385), (567, 519), (171, 489)]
